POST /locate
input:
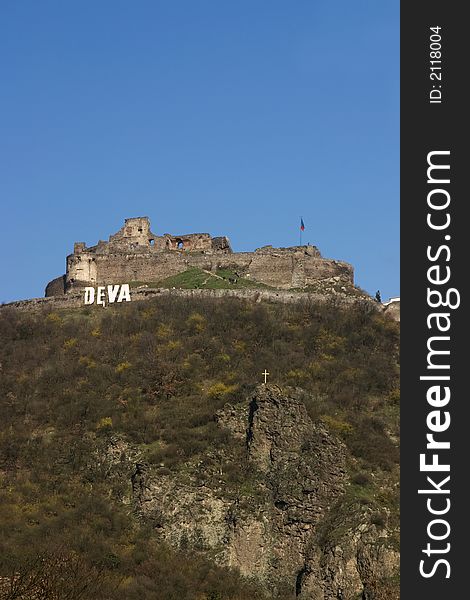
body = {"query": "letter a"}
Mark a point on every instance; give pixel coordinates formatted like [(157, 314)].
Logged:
[(125, 293)]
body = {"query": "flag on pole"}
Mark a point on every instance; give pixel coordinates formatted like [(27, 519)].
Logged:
[(302, 226)]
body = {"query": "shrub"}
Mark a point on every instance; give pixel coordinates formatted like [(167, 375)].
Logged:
[(361, 479), (104, 423), (379, 519), (220, 390)]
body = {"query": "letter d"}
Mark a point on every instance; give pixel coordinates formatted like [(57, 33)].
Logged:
[(89, 295)]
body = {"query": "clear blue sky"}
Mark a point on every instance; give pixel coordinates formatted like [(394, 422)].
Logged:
[(232, 117)]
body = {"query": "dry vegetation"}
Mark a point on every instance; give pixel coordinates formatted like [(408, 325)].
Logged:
[(154, 374)]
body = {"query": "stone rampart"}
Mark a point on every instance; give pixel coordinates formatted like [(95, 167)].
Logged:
[(75, 299)]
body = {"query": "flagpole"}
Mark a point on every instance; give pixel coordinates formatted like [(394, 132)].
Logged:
[(300, 234)]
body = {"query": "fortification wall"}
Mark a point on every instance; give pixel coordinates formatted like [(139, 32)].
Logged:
[(324, 268), (56, 287), (75, 299), (283, 270)]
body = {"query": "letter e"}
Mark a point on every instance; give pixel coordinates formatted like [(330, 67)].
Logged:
[(100, 295)]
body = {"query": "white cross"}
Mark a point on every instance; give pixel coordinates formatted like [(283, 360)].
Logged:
[(265, 375)]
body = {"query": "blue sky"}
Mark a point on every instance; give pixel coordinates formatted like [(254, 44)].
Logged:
[(228, 117)]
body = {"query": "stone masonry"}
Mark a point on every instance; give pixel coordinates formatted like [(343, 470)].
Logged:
[(135, 254)]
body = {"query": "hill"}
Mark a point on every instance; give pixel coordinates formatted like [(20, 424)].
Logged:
[(141, 459)]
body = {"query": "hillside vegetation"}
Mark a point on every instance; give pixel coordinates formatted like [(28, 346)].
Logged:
[(154, 374), (195, 278)]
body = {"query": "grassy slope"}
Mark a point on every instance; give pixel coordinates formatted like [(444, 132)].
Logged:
[(154, 374), (195, 278)]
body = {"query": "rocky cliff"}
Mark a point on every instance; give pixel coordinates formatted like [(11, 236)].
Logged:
[(277, 508)]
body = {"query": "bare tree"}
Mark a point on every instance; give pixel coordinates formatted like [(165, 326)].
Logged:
[(55, 575)]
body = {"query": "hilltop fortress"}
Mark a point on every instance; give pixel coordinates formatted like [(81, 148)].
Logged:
[(136, 255)]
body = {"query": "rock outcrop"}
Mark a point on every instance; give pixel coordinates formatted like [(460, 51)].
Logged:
[(392, 309), (275, 508)]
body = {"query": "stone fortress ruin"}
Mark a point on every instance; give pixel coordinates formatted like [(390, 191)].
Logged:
[(136, 255)]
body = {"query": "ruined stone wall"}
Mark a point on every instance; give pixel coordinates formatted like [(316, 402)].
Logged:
[(145, 267), (140, 264), (276, 271), (134, 253), (75, 299), (324, 268), (135, 230), (284, 270), (136, 235), (56, 287), (191, 242)]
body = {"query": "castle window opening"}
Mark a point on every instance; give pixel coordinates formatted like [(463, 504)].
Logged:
[(152, 242), (180, 245)]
